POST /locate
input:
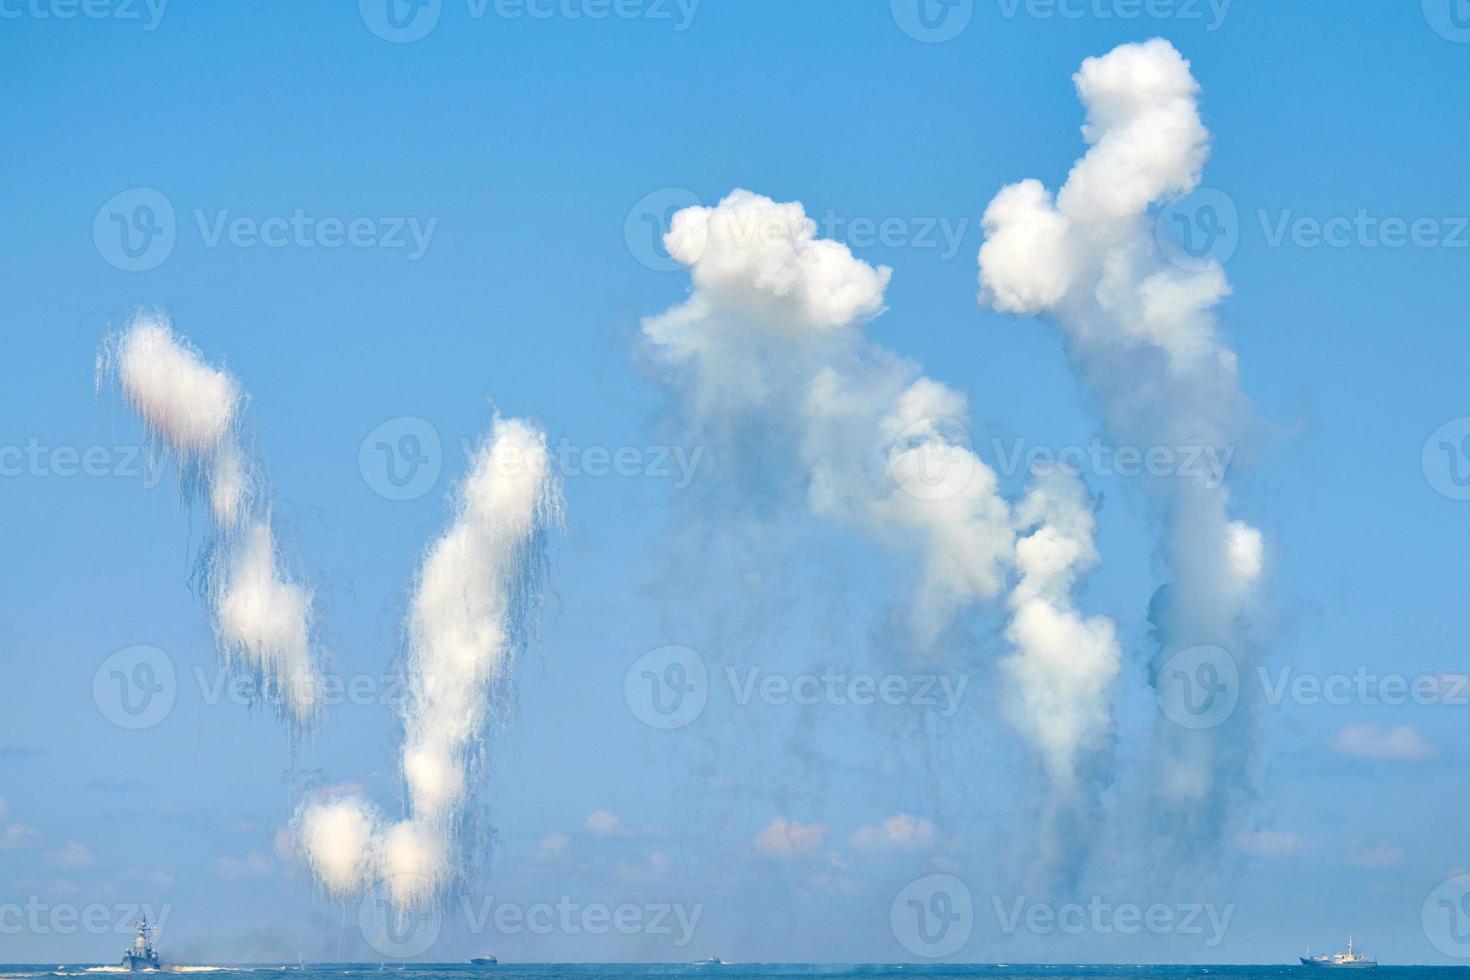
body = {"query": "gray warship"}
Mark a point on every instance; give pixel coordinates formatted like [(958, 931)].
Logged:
[(140, 954)]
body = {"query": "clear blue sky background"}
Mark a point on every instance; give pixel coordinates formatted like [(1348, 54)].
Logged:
[(530, 141)]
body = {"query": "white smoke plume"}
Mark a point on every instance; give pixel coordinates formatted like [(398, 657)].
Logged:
[(1064, 666), (1142, 333), (771, 339), (478, 585), (261, 618)]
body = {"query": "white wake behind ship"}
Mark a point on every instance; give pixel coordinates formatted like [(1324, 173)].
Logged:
[(1341, 961)]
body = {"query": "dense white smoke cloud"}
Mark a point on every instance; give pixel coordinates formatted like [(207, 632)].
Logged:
[(1142, 332), (771, 337), (1065, 666), (261, 619), (478, 583)]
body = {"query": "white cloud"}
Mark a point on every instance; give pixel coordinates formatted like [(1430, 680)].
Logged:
[(1377, 857), (1402, 744), (787, 840), (1270, 843), (72, 857), (605, 823), (553, 846), (14, 837), (900, 832), (255, 865)]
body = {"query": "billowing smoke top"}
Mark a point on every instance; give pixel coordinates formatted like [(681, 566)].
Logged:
[(769, 340), (479, 584), (261, 618), (1142, 332)]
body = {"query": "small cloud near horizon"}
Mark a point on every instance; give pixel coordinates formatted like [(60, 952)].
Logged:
[(1379, 744), (900, 832), (787, 840), (605, 823), (1270, 843), (72, 857)]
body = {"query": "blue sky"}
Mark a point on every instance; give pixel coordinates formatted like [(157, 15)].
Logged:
[(528, 152)]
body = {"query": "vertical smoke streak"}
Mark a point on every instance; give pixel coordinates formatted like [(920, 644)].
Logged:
[(1064, 666), (479, 584), (261, 618), (1141, 332)]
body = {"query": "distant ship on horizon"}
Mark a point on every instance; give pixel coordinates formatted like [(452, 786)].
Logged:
[(1340, 961), (140, 954), (486, 960)]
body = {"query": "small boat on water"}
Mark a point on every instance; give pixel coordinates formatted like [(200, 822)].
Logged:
[(710, 960), (1340, 961), (486, 960)]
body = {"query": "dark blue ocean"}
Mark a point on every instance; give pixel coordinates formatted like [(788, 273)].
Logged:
[(736, 971)]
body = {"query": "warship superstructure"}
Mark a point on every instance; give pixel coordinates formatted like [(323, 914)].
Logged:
[(140, 954)]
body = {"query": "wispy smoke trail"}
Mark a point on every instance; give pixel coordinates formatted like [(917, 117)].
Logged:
[(769, 349), (478, 584), (1142, 333), (261, 618)]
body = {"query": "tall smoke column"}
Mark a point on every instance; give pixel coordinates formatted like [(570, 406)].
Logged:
[(768, 349), (480, 582), (1064, 667), (261, 619), (1141, 331)]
